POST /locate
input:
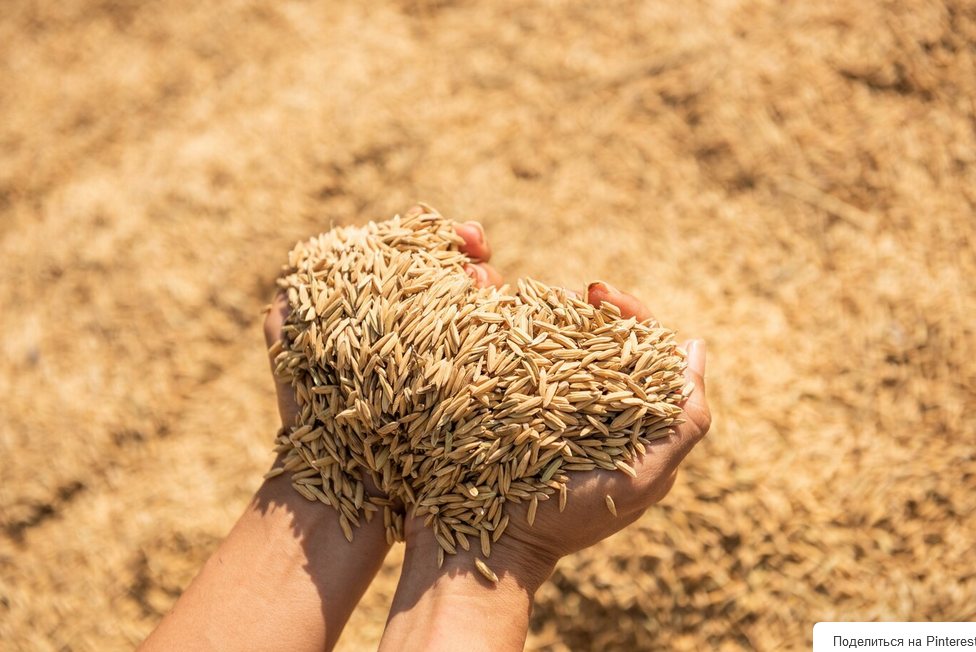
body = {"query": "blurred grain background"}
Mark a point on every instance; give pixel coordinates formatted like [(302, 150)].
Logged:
[(793, 181)]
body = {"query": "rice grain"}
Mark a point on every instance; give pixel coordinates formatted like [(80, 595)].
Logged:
[(484, 570), (456, 401)]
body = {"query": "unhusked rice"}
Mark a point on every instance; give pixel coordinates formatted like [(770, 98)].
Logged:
[(456, 400)]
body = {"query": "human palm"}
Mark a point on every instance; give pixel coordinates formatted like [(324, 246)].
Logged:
[(587, 517)]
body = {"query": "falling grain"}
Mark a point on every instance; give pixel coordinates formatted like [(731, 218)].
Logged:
[(533, 507), (484, 570), (346, 528)]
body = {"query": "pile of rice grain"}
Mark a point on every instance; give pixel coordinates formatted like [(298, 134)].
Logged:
[(456, 400)]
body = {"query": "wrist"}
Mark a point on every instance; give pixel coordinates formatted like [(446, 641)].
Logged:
[(456, 607), (516, 566), (306, 546), (316, 526), (285, 561)]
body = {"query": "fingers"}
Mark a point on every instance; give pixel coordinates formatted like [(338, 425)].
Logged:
[(275, 319), (696, 407), (475, 241), (473, 233), (657, 468), (697, 416), (476, 247), (629, 305), (273, 323), (484, 275)]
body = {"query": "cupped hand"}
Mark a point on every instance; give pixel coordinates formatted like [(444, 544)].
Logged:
[(475, 246), (533, 550)]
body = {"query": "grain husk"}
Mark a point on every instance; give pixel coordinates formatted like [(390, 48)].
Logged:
[(456, 401)]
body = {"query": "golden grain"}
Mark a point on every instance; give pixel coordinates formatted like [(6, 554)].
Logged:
[(533, 507), (484, 570), (455, 400)]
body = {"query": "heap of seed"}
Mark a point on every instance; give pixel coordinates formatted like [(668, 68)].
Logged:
[(456, 400)]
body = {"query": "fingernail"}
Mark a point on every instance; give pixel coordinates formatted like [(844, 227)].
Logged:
[(416, 210), (477, 273), (480, 229), (603, 286)]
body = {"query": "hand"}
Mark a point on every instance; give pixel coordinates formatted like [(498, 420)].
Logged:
[(495, 616), (475, 246), (285, 577), (587, 519)]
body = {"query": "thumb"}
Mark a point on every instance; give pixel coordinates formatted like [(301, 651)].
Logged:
[(629, 305)]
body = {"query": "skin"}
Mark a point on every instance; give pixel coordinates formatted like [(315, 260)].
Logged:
[(455, 607), (286, 578), (286, 561)]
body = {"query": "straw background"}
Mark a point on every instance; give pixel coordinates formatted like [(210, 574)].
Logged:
[(793, 181)]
